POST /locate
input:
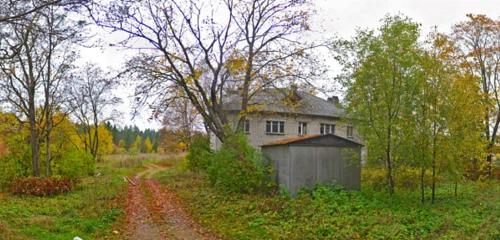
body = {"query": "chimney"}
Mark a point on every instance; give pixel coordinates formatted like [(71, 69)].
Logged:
[(333, 100)]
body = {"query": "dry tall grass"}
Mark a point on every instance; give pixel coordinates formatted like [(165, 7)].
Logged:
[(137, 160)]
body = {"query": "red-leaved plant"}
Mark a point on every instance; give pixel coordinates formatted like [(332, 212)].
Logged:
[(35, 186)]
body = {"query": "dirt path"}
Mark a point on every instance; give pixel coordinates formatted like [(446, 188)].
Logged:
[(153, 212)]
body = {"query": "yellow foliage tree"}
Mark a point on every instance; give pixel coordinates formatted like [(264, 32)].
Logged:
[(148, 146), (12, 135), (105, 140), (120, 148), (14, 152), (136, 145)]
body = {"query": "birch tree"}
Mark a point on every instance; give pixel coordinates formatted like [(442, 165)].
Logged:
[(380, 83)]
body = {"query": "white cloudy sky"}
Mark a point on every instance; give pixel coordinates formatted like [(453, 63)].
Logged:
[(333, 17)]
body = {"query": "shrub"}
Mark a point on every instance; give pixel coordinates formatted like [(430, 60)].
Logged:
[(374, 178), (404, 178), (15, 160), (34, 186), (74, 164), (198, 157), (10, 168), (237, 166)]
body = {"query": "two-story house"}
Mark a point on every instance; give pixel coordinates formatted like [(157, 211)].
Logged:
[(277, 114)]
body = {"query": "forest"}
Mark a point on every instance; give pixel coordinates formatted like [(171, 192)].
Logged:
[(423, 102)]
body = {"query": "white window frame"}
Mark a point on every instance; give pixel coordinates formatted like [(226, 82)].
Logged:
[(302, 128), (276, 127), (350, 132), (327, 128)]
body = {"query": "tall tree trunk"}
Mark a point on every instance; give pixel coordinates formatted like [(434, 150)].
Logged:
[(89, 141), (489, 158), (48, 170), (456, 186), (390, 180), (434, 164), (422, 185), (95, 146), (48, 104), (34, 142), (246, 88)]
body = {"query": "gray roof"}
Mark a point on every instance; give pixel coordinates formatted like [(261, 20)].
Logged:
[(272, 100), (316, 140)]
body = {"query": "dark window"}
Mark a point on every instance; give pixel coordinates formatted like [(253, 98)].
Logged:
[(302, 128), (246, 126), (275, 127), (350, 132), (327, 129)]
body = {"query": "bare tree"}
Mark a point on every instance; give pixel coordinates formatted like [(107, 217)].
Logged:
[(32, 77), (89, 95), (205, 48), (10, 10), (182, 117), (22, 79), (16, 11), (61, 36)]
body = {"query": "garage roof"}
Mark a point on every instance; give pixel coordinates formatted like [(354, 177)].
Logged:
[(316, 140)]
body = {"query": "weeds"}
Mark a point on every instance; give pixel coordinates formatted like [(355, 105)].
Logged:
[(89, 211), (332, 213)]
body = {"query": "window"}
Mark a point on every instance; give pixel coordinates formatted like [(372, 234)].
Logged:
[(302, 128), (327, 129), (350, 132), (246, 126), (275, 127)]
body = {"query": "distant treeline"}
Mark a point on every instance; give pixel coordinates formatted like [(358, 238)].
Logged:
[(131, 138)]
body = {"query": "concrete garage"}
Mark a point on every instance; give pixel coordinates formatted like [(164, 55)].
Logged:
[(306, 160)]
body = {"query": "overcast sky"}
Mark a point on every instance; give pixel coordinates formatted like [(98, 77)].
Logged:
[(335, 18)]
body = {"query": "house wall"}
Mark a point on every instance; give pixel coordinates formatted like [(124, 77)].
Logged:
[(259, 137)]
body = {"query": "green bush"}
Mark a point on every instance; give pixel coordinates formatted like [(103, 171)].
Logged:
[(16, 161), (198, 157), (374, 178), (237, 166), (11, 168), (74, 164), (405, 178)]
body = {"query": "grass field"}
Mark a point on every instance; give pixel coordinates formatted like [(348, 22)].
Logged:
[(92, 211), (335, 214)]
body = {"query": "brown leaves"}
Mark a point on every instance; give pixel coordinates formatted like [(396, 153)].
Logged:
[(154, 212), (35, 186)]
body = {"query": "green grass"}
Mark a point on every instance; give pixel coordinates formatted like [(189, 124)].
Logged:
[(328, 213), (90, 211)]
